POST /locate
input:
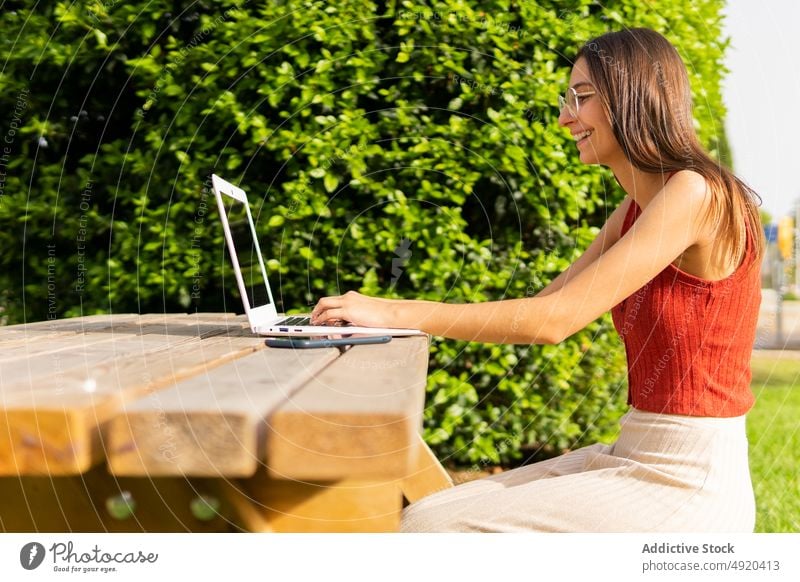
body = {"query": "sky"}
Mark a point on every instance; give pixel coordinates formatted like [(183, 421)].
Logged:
[(762, 94)]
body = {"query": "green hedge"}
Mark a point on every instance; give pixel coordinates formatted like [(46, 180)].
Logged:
[(402, 149)]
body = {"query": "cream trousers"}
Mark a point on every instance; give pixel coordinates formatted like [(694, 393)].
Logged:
[(665, 473)]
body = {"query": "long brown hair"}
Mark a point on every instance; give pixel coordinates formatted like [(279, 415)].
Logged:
[(644, 87)]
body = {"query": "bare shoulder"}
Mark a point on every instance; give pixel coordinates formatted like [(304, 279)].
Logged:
[(688, 186), (688, 196)]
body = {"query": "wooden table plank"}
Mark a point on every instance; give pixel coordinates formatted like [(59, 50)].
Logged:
[(357, 419), (211, 424), (45, 371), (45, 362), (296, 506), (43, 331), (36, 332), (57, 429), (73, 324), (66, 504)]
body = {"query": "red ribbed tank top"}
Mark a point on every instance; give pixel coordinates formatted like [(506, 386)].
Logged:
[(689, 340)]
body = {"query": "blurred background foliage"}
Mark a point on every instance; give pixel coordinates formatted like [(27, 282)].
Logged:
[(402, 149)]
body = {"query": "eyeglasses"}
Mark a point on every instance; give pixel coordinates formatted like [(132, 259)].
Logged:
[(572, 99)]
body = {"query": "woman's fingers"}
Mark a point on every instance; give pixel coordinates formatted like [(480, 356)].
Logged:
[(322, 310), (351, 307), (334, 314)]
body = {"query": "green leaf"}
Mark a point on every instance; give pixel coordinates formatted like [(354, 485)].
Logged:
[(330, 182)]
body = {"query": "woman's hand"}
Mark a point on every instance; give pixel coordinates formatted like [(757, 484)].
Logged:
[(355, 308)]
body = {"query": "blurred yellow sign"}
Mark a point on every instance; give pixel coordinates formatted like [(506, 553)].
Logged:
[(786, 236)]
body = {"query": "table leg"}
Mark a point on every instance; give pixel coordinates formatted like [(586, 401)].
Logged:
[(428, 476)]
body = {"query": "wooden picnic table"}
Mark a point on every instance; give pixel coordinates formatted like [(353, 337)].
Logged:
[(175, 422)]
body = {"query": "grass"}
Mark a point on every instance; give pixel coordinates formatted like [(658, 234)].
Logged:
[(773, 428)]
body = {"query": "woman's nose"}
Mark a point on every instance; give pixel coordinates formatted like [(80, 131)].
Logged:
[(565, 117)]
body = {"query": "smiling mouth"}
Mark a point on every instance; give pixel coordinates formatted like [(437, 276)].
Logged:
[(582, 136)]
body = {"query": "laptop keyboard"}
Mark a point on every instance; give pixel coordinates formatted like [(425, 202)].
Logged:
[(306, 320), (295, 321)]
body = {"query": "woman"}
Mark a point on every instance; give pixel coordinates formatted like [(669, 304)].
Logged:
[(677, 263)]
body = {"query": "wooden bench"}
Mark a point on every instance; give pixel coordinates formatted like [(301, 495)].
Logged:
[(189, 423)]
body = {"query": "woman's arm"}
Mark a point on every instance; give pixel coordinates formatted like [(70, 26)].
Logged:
[(669, 225)]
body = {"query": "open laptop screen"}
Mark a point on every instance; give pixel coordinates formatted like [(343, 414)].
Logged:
[(244, 241)]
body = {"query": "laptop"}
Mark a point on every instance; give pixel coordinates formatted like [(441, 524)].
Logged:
[(251, 275)]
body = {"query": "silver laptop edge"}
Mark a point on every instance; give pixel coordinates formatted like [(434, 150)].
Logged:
[(264, 318)]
